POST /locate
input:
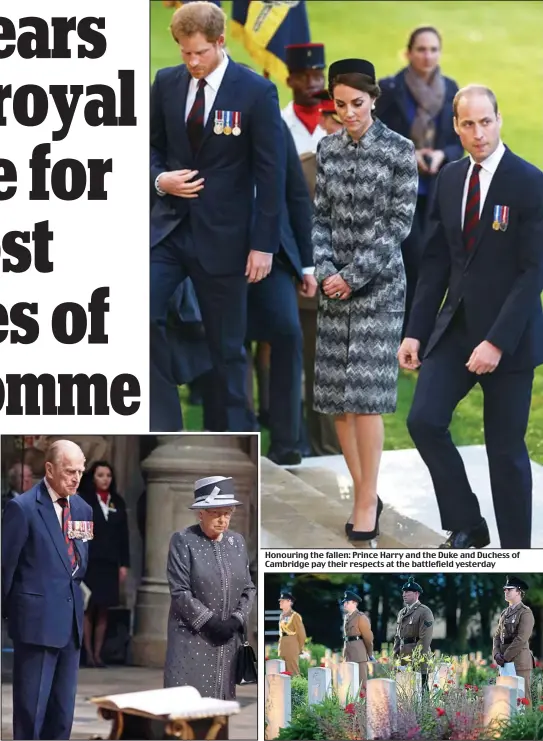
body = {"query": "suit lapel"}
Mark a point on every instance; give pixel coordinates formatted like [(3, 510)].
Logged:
[(485, 221), (226, 94), (49, 516), (181, 89)]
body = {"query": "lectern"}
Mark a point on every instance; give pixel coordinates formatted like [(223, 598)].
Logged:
[(172, 713)]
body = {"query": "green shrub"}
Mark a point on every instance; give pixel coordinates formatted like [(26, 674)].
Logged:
[(527, 726), (298, 691)]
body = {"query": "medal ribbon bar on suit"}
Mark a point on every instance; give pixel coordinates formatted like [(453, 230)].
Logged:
[(237, 121), (218, 128), (227, 122)]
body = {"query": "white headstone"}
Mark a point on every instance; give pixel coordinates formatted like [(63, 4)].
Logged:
[(348, 682), (380, 708), (275, 666), (278, 703), (516, 683), (409, 685), (441, 676), (319, 685), (500, 702)]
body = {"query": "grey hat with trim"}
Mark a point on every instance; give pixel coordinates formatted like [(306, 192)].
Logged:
[(214, 492)]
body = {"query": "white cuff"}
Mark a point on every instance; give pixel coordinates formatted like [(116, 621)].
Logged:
[(308, 271), (159, 190)]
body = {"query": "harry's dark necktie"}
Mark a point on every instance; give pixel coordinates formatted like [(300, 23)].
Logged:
[(69, 542), (195, 120), (473, 204)]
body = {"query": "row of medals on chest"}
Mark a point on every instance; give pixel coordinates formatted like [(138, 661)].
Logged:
[(224, 126)]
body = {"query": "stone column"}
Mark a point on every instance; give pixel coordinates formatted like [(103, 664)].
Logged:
[(278, 703), (172, 468), (381, 720), (319, 683)]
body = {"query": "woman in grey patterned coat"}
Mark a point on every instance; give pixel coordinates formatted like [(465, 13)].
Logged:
[(365, 197), (211, 595)]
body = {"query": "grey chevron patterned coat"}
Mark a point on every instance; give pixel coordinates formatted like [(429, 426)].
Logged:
[(365, 199)]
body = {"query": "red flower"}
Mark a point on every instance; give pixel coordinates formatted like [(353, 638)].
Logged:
[(458, 713), (362, 693), (475, 688), (287, 673), (440, 712), (350, 709), (493, 666), (449, 681), (436, 685), (467, 686), (541, 708), (524, 701)]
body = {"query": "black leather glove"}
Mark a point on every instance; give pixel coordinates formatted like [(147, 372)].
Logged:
[(500, 659), (219, 630)]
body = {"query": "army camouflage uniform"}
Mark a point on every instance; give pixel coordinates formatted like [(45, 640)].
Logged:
[(511, 639)]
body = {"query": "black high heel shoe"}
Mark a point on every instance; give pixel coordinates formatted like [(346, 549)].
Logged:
[(349, 525)]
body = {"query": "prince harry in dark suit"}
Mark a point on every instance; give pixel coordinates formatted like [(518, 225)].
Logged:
[(477, 318), (216, 140)]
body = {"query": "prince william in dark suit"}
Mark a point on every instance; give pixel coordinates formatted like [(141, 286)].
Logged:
[(484, 256), (42, 569), (216, 139)]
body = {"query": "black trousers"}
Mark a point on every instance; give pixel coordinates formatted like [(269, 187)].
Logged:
[(443, 382)]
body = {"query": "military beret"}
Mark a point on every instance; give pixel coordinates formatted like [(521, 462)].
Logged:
[(515, 582), (348, 66), (351, 596), (286, 595), (412, 586)]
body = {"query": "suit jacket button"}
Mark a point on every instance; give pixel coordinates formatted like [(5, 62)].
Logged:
[(69, 599)]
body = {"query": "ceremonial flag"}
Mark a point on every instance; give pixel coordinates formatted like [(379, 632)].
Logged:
[(265, 28)]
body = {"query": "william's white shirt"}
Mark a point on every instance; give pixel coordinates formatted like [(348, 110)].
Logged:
[(486, 173)]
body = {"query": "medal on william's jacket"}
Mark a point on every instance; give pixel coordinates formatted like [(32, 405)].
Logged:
[(218, 128), (237, 120), (228, 122), (501, 218)]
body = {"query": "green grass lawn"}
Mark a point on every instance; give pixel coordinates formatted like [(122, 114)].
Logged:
[(496, 44)]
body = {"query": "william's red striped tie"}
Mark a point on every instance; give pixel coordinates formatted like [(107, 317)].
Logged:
[(65, 518), (473, 204), (195, 120)]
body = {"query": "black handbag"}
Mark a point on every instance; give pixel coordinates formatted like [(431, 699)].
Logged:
[(246, 672)]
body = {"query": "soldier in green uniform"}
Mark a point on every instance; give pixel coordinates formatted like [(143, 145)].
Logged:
[(357, 636), (513, 633), (415, 626)]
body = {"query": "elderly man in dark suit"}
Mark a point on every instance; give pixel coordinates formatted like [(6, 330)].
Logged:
[(484, 256), (42, 568), (273, 310), (215, 136)]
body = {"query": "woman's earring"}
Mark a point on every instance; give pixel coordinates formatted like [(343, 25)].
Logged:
[(373, 107)]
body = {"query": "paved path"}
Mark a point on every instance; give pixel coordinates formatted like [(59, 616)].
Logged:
[(113, 680), (405, 485)]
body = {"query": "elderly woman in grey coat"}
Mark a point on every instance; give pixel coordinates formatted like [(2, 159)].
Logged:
[(211, 595), (365, 197)]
